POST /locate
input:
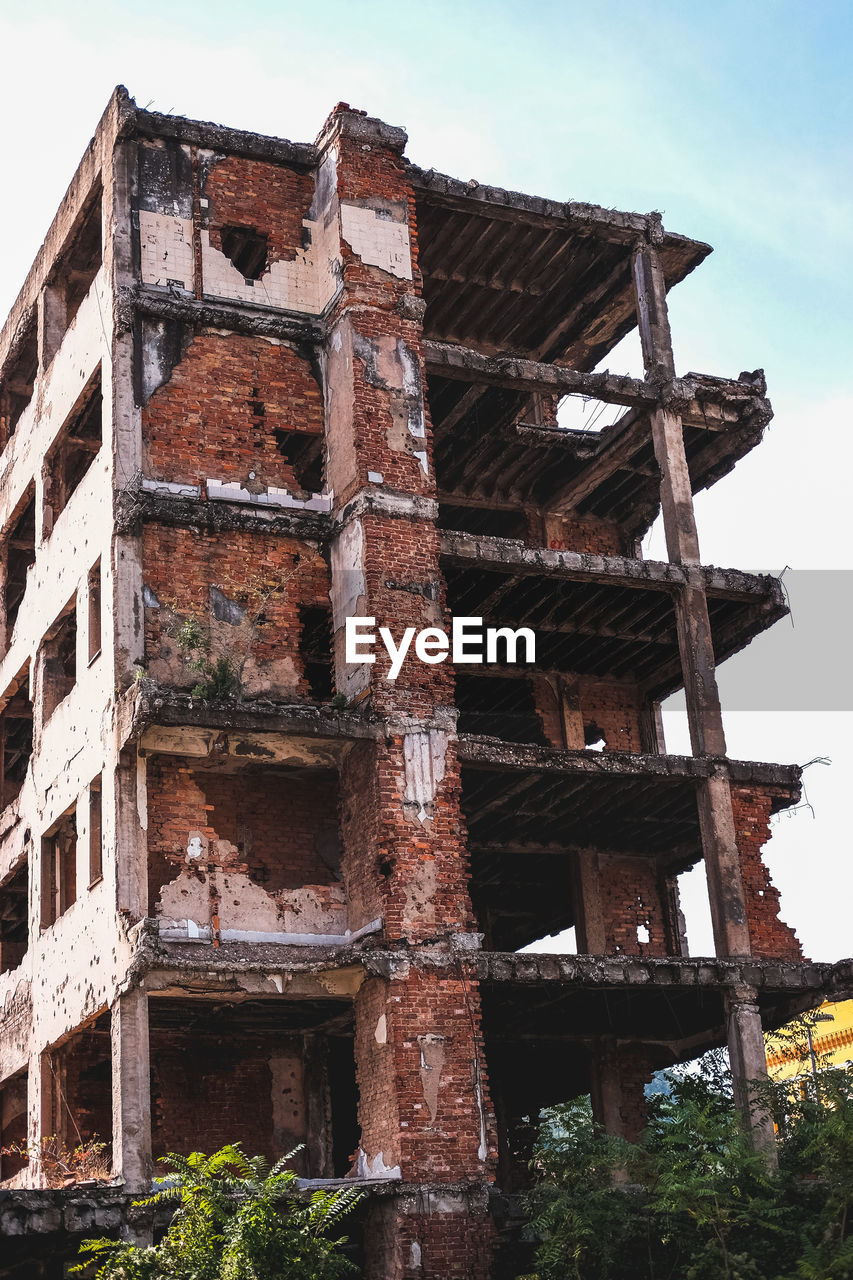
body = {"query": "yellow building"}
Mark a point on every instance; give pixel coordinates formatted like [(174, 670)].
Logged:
[(820, 1039)]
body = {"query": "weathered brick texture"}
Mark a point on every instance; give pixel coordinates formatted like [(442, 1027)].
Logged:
[(269, 198), (586, 533), (631, 904), (266, 577), (282, 831), (218, 415), (411, 871), (769, 936), (432, 1244), (422, 1077), (209, 1092)]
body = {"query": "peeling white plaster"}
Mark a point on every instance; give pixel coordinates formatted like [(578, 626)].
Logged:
[(233, 491), (170, 487), (375, 1168), (381, 1032), (166, 244), (424, 756), (377, 239), (306, 283), (195, 847), (415, 1253)]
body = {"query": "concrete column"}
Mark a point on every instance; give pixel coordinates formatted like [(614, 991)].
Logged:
[(131, 1090), (52, 322), (125, 818), (40, 1118), (714, 802), (618, 1077), (748, 1064), (591, 933), (652, 314), (318, 1142), (722, 867)]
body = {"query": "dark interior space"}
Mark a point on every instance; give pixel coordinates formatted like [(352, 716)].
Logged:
[(20, 549)]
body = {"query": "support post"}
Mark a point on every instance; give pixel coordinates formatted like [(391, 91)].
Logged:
[(716, 820), (131, 1090), (591, 933), (748, 1064)]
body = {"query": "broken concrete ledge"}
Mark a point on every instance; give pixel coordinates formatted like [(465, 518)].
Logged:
[(153, 952), (144, 501), (484, 752), (513, 556)]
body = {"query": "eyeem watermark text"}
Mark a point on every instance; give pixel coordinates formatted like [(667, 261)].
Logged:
[(467, 643)]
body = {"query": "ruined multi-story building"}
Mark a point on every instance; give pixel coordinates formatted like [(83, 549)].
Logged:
[(252, 891)]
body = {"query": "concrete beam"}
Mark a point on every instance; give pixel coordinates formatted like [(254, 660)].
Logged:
[(451, 361), (496, 202), (493, 753), (586, 567)]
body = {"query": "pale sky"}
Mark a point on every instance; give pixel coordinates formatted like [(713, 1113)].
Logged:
[(732, 119)]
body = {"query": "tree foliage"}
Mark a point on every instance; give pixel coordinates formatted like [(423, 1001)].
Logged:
[(237, 1219), (692, 1199)]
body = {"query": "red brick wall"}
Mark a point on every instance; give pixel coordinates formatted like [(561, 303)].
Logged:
[(276, 823), (547, 701), (83, 1068), (207, 1092), (270, 576), (769, 936), (215, 417), (267, 197), (614, 707), (404, 553), (620, 1073), (365, 861), (414, 875), (631, 896), (394, 1110), (586, 533), (447, 1246), (368, 174)]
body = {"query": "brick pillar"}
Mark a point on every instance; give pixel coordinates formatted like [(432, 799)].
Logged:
[(424, 1109)]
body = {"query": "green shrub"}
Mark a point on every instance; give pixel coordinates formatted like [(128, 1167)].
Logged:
[(237, 1219)]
